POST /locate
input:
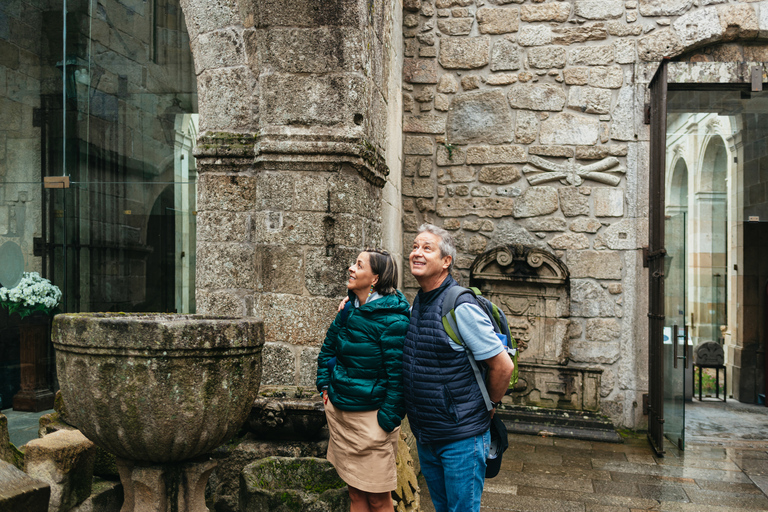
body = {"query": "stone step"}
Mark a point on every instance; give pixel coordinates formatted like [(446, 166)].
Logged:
[(587, 426)]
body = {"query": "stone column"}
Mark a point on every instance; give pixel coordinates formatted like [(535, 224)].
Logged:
[(298, 160)]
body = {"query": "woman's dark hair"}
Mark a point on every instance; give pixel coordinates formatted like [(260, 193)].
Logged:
[(383, 265)]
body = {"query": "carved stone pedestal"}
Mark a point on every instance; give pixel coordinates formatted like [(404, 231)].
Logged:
[(165, 487), (35, 394)]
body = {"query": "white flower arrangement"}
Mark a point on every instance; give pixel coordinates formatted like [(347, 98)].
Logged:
[(32, 294)]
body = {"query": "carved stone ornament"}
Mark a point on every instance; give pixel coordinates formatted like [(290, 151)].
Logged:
[(539, 171)]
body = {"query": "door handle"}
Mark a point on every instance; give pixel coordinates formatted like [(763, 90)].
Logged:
[(674, 346), (685, 345)]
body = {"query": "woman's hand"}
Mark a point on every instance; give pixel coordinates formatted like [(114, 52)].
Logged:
[(325, 396), (342, 303)]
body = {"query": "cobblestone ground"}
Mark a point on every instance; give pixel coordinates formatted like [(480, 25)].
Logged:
[(554, 475)]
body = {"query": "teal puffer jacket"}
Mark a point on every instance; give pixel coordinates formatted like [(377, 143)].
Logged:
[(368, 373)]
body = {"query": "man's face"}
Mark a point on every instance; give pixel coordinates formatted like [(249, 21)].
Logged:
[(425, 257)]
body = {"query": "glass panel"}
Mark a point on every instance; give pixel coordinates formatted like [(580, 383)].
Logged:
[(114, 110)]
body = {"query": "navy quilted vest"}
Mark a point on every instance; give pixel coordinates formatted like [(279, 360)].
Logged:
[(442, 398)]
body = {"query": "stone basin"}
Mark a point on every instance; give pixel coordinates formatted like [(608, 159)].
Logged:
[(157, 388), (287, 413)]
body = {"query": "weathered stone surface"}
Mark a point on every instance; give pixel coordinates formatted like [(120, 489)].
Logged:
[(595, 264), (585, 225), (470, 82), (536, 97), (19, 492), (307, 50), (418, 145), (442, 102), (228, 100), (536, 201), (547, 57), (573, 202), (591, 55), (598, 9), (698, 27), (663, 7), (534, 35), (501, 79), (308, 367), (556, 151), (505, 56), (546, 12), (280, 269), (591, 100), (461, 174), (447, 84), (609, 77), (494, 207), (464, 52), (545, 224), (497, 21), (222, 265), (739, 21), (311, 100), (8, 452), (420, 71), (623, 126), (278, 365), (220, 302), (526, 127), (568, 128), (594, 352), (619, 236), (659, 44), (221, 48), (626, 52), (455, 26), (424, 123), (602, 329), (575, 35), (576, 76), (64, 460), (414, 165), (609, 202), (445, 4), (589, 299), (226, 193), (456, 156), (499, 174), (495, 155), (569, 241), (481, 116), (279, 314)]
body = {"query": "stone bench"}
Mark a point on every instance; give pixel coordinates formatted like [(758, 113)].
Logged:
[(20, 492)]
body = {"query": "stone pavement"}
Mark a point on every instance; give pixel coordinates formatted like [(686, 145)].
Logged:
[(552, 475), (23, 426)]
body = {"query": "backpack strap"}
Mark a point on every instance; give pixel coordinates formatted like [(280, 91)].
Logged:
[(345, 313), (452, 329)]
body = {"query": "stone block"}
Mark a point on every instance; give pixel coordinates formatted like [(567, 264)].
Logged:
[(573, 202), (290, 99), (534, 35), (554, 151), (547, 224), (659, 44), (663, 7), (64, 460), (442, 102), (592, 55), (456, 156), (572, 129), (225, 193), (609, 202), (499, 174), (602, 329), (274, 191), (536, 97), (220, 302), (455, 26), (594, 352), (308, 50), (591, 100), (492, 20), (590, 300), (526, 127), (600, 152), (739, 21), (501, 79), (106, 496), (547, 57), (418, 145), (303, 13), (19, 492), (505, 56), (424, 123), (492, 207), (569, 241), (221, 265), (464, 52), (279, 269), (626, 51), (279, 314), (546, 12), (222, 226), (574, 35), (461, 174), (221, 48), (278, 365), (698, 27), (228, 100), (326, 273), (8, 451), (598, 9), (536, 201), (506, 154), (415, 187), (595, 264), (623, 126), (609, 77), (308, 367), (619, 236), (481, 116), (576, 75), (447, 84), (311, 193), (585, 226)]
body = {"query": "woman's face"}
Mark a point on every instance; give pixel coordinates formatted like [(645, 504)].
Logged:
[(360, 276)]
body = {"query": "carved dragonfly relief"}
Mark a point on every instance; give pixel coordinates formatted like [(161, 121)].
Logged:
[(539, 171)]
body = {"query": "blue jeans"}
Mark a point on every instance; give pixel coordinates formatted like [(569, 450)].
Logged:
[(455, 472)]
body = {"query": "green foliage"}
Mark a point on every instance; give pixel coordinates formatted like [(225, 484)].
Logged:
[(707, 383), (450, 148)]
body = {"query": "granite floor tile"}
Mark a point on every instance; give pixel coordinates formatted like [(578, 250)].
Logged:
[(663, 492), (548, 482), (743, 500), (711, 485), (754, 466), (668, 470), (590, 498), (539, 469), (531, 440), (550, 459), (495, 501), (616, 488)]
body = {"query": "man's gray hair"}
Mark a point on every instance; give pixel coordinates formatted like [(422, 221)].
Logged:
[(447, 246)]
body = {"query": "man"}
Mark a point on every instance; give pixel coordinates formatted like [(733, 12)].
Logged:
[(443, 401)]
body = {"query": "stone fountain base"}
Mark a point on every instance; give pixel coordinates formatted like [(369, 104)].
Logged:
[(165, 487)]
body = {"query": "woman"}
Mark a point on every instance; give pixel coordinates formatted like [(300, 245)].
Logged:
[(359, 371)]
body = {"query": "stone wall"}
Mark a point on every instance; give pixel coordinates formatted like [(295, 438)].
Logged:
[(523, 124)]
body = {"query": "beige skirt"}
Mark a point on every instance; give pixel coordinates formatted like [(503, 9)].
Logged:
[(361, 451)]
